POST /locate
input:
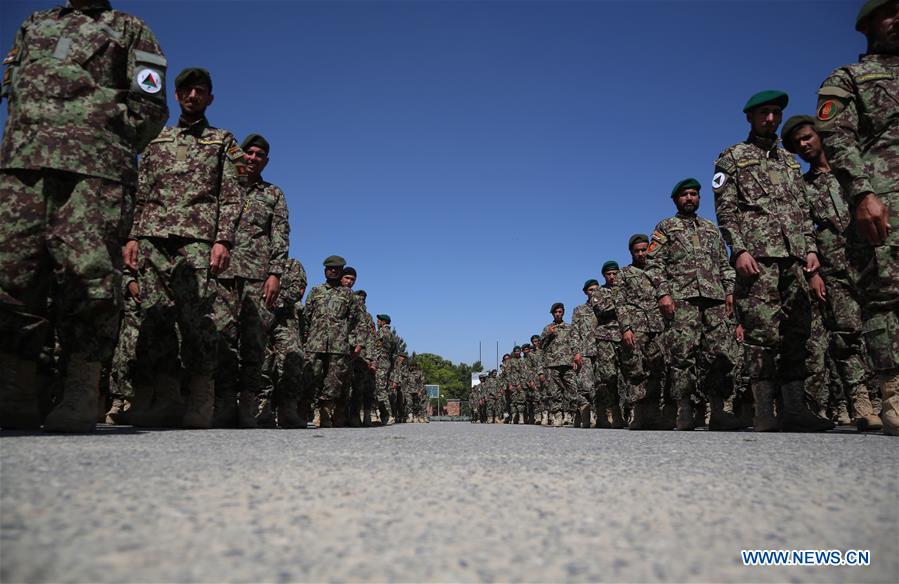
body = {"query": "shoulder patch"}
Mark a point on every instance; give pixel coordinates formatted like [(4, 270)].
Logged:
[(11, 56), (235, 153), (828, 108), (719, 180), (659, 236)]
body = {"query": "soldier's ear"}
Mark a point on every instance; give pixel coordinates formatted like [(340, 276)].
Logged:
[(211, 99)]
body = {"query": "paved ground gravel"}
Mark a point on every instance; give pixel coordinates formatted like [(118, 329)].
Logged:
[(441, 502)]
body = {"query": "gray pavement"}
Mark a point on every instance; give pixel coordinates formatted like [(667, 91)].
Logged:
[(442, 502)]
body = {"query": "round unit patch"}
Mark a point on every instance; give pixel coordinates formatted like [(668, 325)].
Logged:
[(718, 180), (826, 111), (149, 80)]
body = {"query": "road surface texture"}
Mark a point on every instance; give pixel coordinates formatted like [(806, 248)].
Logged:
[(442, 502)]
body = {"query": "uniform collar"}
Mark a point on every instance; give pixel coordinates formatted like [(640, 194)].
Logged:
[(768, 145), (195, 128), (96, 5), (680, 215)]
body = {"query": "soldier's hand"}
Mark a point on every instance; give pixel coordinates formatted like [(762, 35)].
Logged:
[(747, 266), (729, 305), (552, 329), (270, 290), (577, 360), (667, 306), (816, 283), (219, 258), (134, 290), (741, 333), (812, 263), (129, 254), (872, 218), (629, 339)]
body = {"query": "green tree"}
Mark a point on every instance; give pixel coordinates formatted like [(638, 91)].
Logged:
[(454, 380)]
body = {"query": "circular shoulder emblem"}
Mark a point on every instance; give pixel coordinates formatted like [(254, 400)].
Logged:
[(718, 180), (149, 80), (826, 110)]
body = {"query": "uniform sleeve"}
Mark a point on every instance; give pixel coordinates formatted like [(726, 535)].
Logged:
[(144, 181), (231, 192), (12, 60), (581, 333), (280, 236), (837, 123), (725, 270), (357, 325), (146, 101), (308, 310), (726, 208), (546, 338), (626, 315), (657, 261), (808, 227)]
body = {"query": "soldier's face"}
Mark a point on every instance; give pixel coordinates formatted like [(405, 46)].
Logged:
[(687, 201), (806, 142), (765, 119), (256, 159), (590, 290), (333, 272), (610, 277), (535, 341), (638, 254), (558, 314), (347, 280), (194, 99), (883, 28), (527, 351)]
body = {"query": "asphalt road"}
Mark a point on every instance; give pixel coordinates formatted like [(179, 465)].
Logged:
[(442, 502)]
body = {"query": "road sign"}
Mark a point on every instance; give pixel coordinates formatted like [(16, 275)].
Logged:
[(433, 390)]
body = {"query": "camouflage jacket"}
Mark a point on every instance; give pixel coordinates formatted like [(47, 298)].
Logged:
[(586, 329), (189, 185), (386, 342), (86, 92), (262, 236), (760, 201), (637, 307), (687, 259), (293, 281), (830, 213), (487, 389), (858, 120), (400, 373), (558, 347), (603, 303), (332, 318), (534, 364), (366, 332)]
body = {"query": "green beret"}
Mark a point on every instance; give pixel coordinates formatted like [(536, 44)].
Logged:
[(334, 261), (526, 346), (535, 337), (362, 293), (255, 140), (793, 124), (765, 97), (555, 306), (867, 10), (637, 238), (687, 183), (516, 348), (588, 283), (384, 318), (193, 76), (610, 265)]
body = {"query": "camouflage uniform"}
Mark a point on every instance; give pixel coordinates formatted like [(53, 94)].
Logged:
[(332, 316), (386, 348), (840, 252), (188, 198), (260, 250), (608, 350), (643, 368), (586, 328), (687, 260), (283, 365), (518, 379), (858, 119), (559, 348), (86, 93), (760, 203), (363, 385), (123, 359)]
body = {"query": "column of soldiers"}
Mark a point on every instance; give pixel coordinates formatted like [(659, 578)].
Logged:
[(797, 328), (167, 283)]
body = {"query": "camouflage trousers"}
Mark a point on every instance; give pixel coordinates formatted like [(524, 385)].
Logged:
[(561, 382), (775, 310), (643, 368), (587, 379), (383, 392), (362, 394), (698, 340), (607, 374), (61, 234), (518, 405), (125, 357), (330, 376), (243, 322), (177, 294), (283, 364), (879, 285)]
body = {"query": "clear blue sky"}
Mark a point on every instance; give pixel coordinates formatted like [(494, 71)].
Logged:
[(477, 161)]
